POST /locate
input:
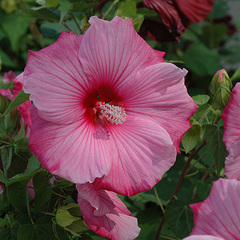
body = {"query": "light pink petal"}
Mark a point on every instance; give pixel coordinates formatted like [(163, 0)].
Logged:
[(112, 52), (105, 214), (159, 93), (231, 116), (30, 189), (195, 10), (6, 93), (143, 152), (219, 214), (202, 237), (232, 162), (55, 80), (75, 152)]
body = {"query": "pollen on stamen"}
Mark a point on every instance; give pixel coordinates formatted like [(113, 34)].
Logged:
[(114, 114)]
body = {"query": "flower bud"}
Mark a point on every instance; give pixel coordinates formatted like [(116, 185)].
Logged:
[(222, 96), (220, 79), (3, 104)]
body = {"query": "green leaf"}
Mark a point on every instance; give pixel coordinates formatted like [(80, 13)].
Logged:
[(17, 195), (43, 191), (201, 99), (9, 233), (6, 60), (40, 14), (236, 75), (137, 21), (82, 6), (179, 218), (127, 9), (214, 136), (52, 3), (6, 157), (15, 27), (202, 60), (69, 217), (41, 230), (64, 7), (17, 101), (191, 137), (32, 168), (3, 179)]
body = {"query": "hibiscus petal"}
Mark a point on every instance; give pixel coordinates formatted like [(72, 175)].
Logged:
[(219, 214), (196, 10), (231, 116), (112, 52), (143, 152), (169, 104), (6, 93), (54, 78), (74, 152), (202, 237), (232, 162), (105, 214)]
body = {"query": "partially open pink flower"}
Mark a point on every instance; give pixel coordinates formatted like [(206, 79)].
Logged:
[(219, 214), (177, 15), (9, 77), (231, 137), (106, 106), (105, 213)]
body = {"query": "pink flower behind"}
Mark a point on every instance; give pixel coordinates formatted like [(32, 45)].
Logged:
[(107, 107), (105, 214), (219, 215), (9, 77), (231, 137)]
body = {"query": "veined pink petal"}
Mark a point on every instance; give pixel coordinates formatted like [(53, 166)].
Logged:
[(76, 152), (232, 162), (231, 116), (105, 214), (169, 104), (195, 10), (219, 214), (231, 137), (202, 237), (112, 52), (54, 78), (143, 152)]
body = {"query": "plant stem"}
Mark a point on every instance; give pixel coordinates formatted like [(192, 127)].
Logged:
[(159, 201), (178, 186), (74, 19)]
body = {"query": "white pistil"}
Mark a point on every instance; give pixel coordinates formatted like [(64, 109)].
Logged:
[(114, 114)]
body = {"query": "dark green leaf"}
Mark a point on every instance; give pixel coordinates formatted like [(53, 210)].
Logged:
[(3, 179), (40, 14), (15, 27), (179, 218), (17, 101), (214, 136), (42, 188), (202, 60), (17, 195), (6, 157), (64, 7), (127, 9), (32, 168)]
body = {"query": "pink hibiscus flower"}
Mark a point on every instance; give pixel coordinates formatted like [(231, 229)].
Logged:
[(231, 137), (218, 217), (177, 15), (107, 107), (105, 213)]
